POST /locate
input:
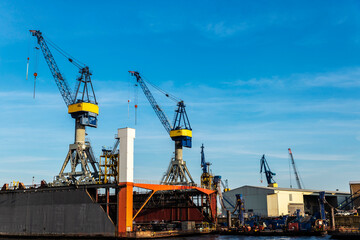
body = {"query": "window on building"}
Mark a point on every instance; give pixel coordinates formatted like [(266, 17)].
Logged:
[(290, 197)]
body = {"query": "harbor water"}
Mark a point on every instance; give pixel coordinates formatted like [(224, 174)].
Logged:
[(230, 237)]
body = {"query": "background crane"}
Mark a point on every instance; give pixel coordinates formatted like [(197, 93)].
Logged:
[(297, 176), (180, 132), (206, 177), (208, 180), (264, 166), (83, 107), (225, 185)]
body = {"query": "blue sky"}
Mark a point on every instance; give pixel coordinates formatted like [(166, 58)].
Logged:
[(258, 77)]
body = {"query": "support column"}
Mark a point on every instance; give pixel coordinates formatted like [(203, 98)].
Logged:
[(178, 152), (322, 205), (107, 193), (332, 219), (228, 218), (79, 132), (126, 179), (125, 209)]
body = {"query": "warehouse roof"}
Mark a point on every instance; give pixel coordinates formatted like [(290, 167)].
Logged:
[(295, 190)]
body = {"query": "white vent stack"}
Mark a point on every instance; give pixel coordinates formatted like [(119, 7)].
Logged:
[(126, 154)]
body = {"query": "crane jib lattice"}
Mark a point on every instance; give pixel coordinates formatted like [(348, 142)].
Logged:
[(61, 83)]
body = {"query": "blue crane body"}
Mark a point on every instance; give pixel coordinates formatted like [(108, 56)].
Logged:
[(264, 167), (241, 208), (322, 204), (204, 164)]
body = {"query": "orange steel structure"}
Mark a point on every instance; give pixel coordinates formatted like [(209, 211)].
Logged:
[(125, 208), (125, 202)]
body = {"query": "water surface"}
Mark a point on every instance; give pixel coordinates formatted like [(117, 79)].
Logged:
[(236, 237)]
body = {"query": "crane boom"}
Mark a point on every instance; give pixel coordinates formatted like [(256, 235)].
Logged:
[(61, 83), (159, 112), (295, 171)]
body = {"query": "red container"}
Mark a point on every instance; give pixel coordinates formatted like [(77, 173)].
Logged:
[(293, 227)]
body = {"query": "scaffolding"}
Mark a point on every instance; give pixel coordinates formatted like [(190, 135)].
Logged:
[(109, 167)]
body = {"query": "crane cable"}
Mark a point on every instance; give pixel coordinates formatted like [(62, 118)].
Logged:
[(71, 59), (167, 94), (291, 161), (28, 57), (128, 96), (303, 185), (261, 175), (290, 171), (136, 99), (35, 68)]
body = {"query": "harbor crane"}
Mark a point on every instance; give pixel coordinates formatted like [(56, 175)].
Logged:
[(218, 183), (206, 176), (83, 107), (264, 167), (297, 177), (240, 208), (208, 180), (225, 185), (180, 132)]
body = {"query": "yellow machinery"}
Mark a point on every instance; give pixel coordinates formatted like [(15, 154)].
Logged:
[(206, 177), (108, 166)]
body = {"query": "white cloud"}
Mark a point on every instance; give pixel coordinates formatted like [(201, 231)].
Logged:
[(223, 29), (25, 159), (314, 157), (342, 78), (345, 78), (261, 82)]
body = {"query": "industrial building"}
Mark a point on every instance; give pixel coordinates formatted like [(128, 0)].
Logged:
[(355, 195), (274, 202)]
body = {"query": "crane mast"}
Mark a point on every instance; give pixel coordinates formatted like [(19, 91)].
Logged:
[(180, 132), (264, 167), (297, 177), (83, 107)]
